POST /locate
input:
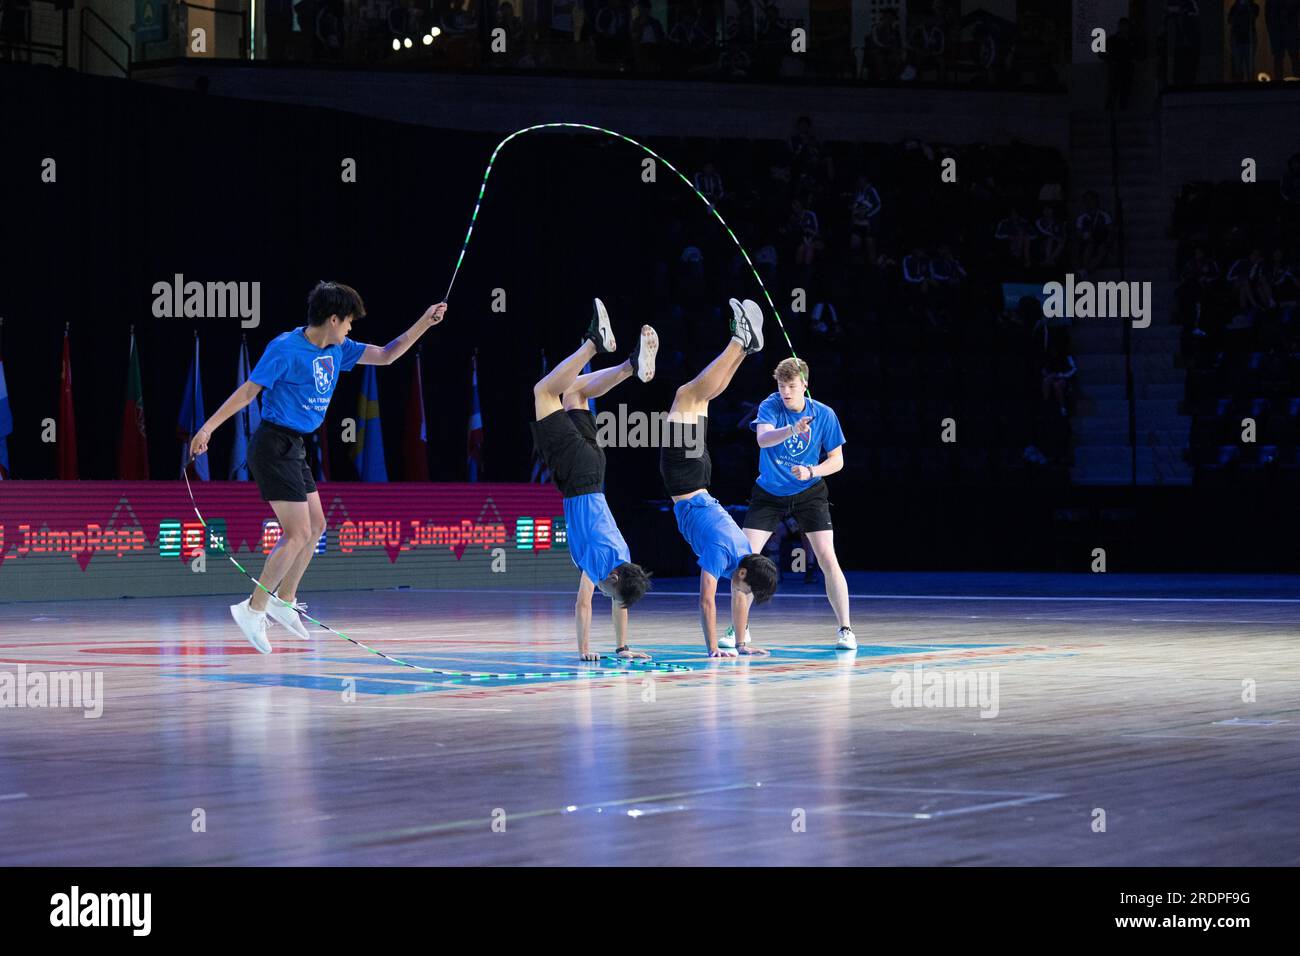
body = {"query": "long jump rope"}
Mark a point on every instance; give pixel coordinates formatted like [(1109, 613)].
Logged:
[(631, 666)]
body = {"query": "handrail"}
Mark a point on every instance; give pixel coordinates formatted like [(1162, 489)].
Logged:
[(52, 50), (126, 69)]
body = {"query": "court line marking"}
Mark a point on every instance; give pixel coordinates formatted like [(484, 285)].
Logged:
[(457, 710), (834, 809), (821, 596), (380, 839), (1022, 798), (13, 796)]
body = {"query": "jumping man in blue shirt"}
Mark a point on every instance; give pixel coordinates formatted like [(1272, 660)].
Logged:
[(720, 546), (296, 377), (565, 435)]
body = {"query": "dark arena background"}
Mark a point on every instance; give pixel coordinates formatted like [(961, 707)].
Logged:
[(1039, 257)]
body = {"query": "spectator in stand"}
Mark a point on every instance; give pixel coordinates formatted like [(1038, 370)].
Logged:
[(947, 276), (1241, 38), (1285, 288), (308, 11), (646, 28), (709, 182), (404, 20), (1290, 188), (864, 212), (825, 321), (1183, 23), (1283, 20), (648, 38), (279, 28), (811, 164), (1058, 373), (1249, 279), (918, 284), (928, 42), (1014, 231), (329, 29), (1197, 289), (1092, 230), (766, 260), (692, 36), (513, 26), (806, 229), (884, 43), (1051, 236), (691, 279), (613, 38)]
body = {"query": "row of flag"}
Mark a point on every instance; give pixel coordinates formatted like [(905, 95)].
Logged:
[(367, 452)]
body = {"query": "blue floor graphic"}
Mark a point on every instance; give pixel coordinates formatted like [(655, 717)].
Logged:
[(395, 680)]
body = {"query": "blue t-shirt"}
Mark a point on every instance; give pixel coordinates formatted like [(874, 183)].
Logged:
[(595, 543), (775, 461), (298, 378), (713, 535)]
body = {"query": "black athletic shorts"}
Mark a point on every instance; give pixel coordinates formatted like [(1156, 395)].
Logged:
[(277, 458), (811, 509), (684, 463), (567, 442)]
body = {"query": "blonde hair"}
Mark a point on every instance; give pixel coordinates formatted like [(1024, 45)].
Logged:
[(788, 370)]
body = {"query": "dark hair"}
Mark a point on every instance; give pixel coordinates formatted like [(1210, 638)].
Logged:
[(760, 575), (333, 298), (632, 584)]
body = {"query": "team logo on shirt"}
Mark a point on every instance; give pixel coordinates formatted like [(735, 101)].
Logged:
[(322, 369), (797, 444)]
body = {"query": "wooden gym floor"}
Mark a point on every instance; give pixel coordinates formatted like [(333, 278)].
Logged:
[(1167, 708)]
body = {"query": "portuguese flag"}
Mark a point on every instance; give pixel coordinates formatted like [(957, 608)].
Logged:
[(132, 447)]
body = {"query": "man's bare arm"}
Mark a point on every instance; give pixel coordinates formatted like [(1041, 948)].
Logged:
[(709, 613), (390, 353), (239, 399), (834, 462), (769, 435), (582, 618)]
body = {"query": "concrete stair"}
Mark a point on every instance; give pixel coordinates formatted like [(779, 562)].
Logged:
[(1101, 427)]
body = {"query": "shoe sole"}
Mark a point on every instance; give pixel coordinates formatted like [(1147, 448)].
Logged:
[(645, 358), (754, 316), (606, 329)]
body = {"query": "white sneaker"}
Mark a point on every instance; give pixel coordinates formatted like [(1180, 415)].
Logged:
[(846, 641), (728, 638), (601, 331), (288, 616), (754, 318), (253, 624)]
